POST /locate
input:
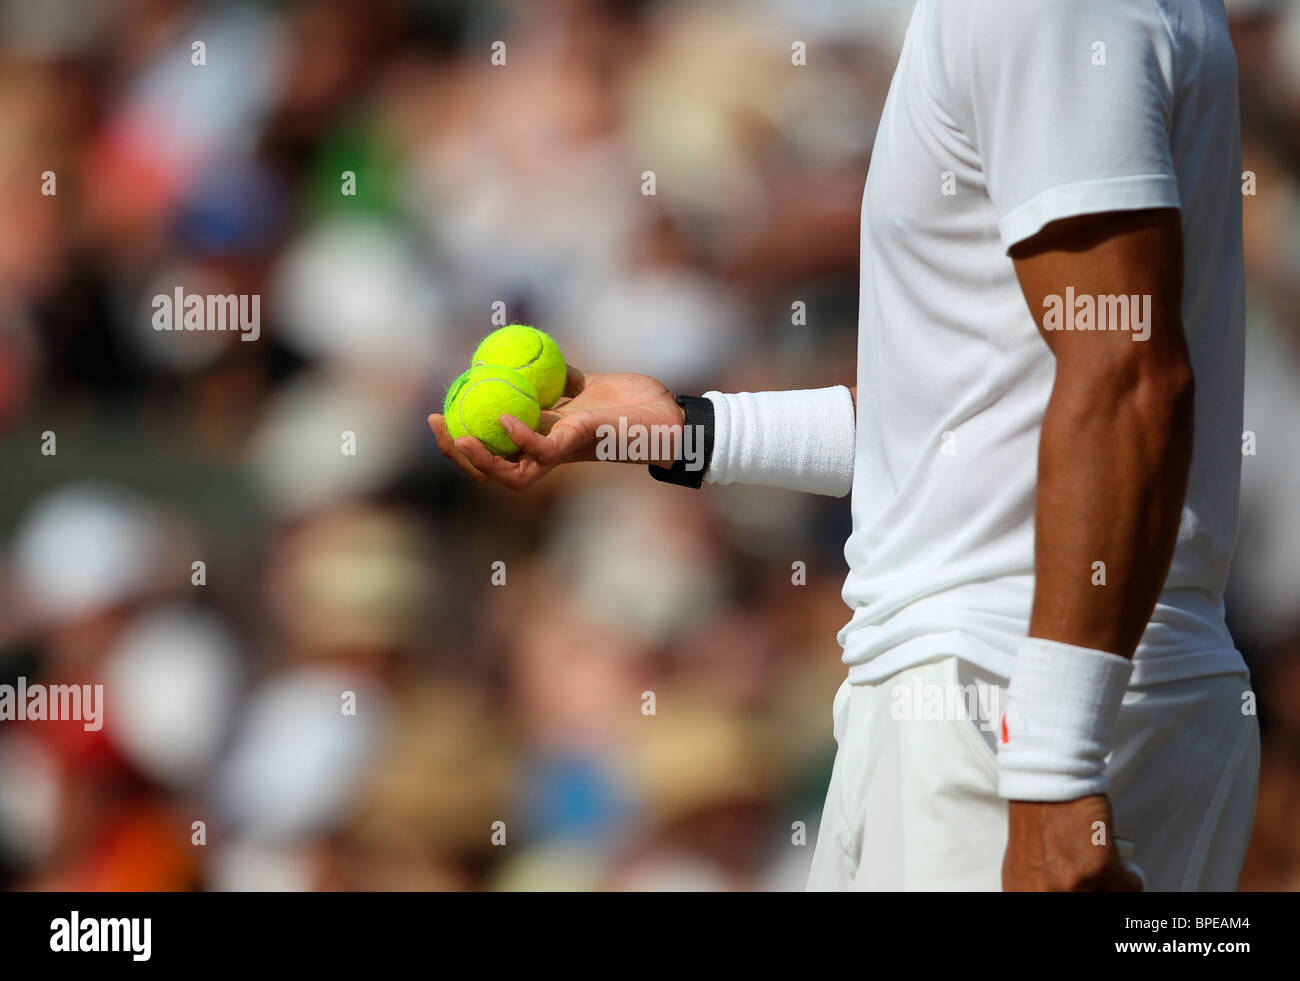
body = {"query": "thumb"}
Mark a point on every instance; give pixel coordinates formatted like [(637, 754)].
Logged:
[(561, 444)]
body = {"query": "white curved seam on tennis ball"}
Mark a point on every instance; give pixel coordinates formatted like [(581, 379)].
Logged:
[(541, 349), (460, 402)]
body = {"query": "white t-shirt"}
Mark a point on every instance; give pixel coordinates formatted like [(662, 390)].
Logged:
[(1005, 115)]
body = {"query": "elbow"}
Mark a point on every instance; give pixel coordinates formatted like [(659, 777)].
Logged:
[(1166, 391), (1160, 392)]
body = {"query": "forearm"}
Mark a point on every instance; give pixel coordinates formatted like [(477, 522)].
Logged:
[(1112, 472)]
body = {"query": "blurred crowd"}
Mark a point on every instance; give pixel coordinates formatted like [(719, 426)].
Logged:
[(327, 669)]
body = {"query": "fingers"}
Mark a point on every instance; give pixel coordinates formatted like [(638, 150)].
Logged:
[(516, 474), (451, 450), (479, 456), (538, 453)]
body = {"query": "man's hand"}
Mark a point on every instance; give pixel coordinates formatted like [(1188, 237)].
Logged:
[(567, 433), (1065, 847)]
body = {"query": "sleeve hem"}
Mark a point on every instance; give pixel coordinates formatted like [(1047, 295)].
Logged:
[(1087, 198)]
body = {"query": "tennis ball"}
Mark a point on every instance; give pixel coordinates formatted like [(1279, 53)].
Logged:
[(530, 352), (479, 397)]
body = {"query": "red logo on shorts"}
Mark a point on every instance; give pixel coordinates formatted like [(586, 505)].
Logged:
[(1005, 738)]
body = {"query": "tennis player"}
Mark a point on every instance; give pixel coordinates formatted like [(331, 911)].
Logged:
[(1043, 450)]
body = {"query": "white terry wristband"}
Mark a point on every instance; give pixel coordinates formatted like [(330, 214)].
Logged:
[(1062, 702), (800, 440)]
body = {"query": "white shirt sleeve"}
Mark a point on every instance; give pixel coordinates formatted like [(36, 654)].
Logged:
[(1068, 104)]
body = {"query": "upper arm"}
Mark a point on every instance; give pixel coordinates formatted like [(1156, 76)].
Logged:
[(1087, 272)]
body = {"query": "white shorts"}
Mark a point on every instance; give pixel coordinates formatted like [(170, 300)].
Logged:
[(913, 801)]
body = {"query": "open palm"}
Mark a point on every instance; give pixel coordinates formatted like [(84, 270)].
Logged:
[(566, 433)]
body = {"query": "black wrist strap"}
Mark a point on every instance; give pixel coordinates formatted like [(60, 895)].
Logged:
[(697, 435)]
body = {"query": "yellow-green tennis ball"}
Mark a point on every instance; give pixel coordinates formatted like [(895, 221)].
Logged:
[(478, 398), (530, 352)]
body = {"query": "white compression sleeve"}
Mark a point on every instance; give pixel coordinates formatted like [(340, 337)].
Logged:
[(801, 440)]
